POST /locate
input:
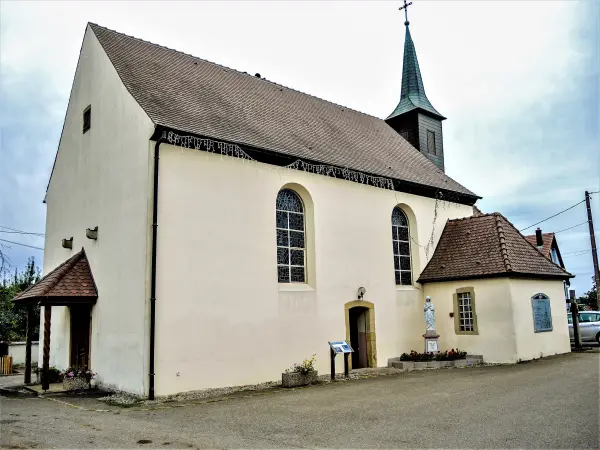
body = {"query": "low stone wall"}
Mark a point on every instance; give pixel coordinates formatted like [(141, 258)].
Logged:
[(17, 351), (470, 360)]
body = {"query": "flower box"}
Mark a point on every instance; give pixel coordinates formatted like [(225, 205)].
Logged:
[(293, 379), (75, 383)]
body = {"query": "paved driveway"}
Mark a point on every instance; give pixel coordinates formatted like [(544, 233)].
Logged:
[(551, 403)]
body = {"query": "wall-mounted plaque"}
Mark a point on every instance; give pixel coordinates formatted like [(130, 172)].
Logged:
[(542, 315)]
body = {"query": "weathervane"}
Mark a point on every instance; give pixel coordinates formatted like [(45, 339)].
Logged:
[(405, 8)]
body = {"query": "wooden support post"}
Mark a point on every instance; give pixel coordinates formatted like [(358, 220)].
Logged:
[(46, 356), (28, 344)]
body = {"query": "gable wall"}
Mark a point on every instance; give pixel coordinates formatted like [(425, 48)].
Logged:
[(222, 318), (530, 344), (102, 178)]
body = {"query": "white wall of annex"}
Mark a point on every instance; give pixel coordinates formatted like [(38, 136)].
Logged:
[(496, 331), (531, 345), (101, 178), (222, 318)]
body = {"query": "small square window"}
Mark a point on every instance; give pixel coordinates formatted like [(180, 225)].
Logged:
[(431, 142), (87, 118)]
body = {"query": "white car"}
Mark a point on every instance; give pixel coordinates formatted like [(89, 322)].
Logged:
[(589, 326)]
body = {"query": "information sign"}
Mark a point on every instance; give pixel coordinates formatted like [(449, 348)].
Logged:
[(341, 347)]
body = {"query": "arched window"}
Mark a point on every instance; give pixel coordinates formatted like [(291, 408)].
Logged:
[(291, 238), (401, 242)]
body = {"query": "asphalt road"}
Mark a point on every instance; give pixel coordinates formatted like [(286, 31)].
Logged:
[(552, 403)]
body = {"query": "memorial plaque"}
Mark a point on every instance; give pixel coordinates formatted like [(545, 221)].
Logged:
[(432, 346), (542, 316)]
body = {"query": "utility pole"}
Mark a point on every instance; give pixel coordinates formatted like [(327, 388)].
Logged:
[(594, 251)]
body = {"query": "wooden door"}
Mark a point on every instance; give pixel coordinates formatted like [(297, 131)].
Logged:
[(81, 323)]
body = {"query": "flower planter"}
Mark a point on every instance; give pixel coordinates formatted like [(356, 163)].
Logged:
[(293, 379), (75, 383)]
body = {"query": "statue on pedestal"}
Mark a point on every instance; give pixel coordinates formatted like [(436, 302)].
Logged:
[(431, 336), (429, 315)]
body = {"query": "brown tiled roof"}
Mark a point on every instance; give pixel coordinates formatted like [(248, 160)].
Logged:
[(484, 246), (189, 94), (71, 282), (547, 238)]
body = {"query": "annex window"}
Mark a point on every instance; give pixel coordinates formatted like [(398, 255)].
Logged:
[(542, 315), (465, 317), (431, 142), (87, 118), (401, 243), (291, 238)]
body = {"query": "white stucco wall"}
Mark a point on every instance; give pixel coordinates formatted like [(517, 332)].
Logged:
[(530, 344), (222, 318), (493, 307), (101, 178)]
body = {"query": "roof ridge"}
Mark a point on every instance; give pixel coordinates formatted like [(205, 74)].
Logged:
[(503, 247), (478, 216), (234, 70)]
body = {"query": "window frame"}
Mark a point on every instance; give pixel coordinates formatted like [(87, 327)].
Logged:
[(457, 318), (401, 255), (87, 124), (432, 134), (534, 298), (289, 248)]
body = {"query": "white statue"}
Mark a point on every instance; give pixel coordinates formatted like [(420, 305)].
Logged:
[(429, 315)]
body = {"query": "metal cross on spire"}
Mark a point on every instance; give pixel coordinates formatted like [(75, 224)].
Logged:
[(405, 8)]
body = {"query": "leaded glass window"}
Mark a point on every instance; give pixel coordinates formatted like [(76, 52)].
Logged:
[(466, 317), (291, 238), (401, 244)]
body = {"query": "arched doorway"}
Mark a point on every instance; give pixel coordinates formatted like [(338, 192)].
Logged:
[(360, 332)]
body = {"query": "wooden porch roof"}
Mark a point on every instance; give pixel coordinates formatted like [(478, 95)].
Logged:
[(71, 283)]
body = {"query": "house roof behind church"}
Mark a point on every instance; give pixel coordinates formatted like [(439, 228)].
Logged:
[(189, 94), (547, 238), (70, 282), (484, 246)]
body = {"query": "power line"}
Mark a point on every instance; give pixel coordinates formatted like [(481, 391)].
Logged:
[(578, 254), (548, 218), (20, 231), (24, 245), (578, 251), (578, 225)]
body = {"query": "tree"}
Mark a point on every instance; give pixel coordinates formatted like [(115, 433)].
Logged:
[(13, 318), (590, 298)]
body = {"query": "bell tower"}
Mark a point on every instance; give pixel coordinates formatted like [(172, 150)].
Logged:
[(415, 118)]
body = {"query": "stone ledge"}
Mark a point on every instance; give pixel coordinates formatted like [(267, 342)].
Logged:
[(419, 365)]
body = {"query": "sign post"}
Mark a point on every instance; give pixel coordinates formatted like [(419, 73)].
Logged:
[(339, 347)]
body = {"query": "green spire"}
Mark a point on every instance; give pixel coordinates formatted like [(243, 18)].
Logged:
[(412, 95)]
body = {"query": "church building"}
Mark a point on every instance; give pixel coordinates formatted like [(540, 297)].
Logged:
[(207, 228)]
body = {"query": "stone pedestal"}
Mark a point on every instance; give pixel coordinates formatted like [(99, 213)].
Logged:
[(432, 342)]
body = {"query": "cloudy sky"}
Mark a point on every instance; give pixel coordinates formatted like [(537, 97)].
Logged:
[(518, 81)]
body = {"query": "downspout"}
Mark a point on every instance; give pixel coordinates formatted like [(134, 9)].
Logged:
[(153, 268)]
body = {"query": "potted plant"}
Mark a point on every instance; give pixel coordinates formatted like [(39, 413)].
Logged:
[(300, 374), (77, 378)]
